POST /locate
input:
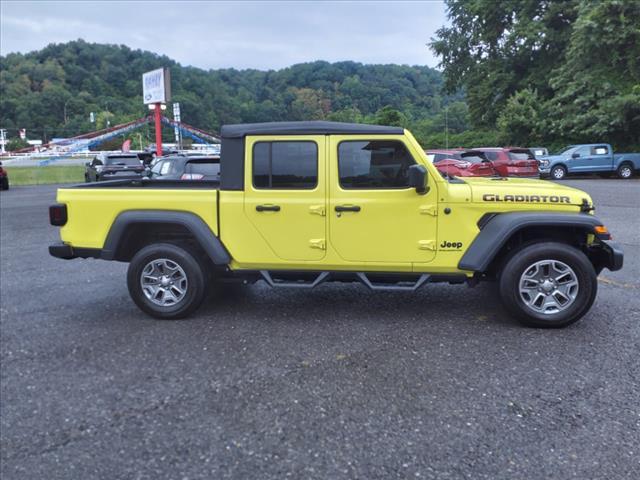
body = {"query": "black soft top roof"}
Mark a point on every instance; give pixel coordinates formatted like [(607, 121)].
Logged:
[(306, 128)]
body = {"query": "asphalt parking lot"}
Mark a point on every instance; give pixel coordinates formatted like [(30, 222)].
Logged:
[(334, 383)]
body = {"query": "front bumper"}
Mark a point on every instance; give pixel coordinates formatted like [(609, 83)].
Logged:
[(613, 255), (67, 252)]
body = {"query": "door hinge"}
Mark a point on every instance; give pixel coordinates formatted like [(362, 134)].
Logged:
[(317, 210), (426, 244), (317, 243), (429, 210)]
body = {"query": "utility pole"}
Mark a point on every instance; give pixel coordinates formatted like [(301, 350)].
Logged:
[(446, 126)]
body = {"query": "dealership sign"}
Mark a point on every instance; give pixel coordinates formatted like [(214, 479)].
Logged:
[(156, 86)]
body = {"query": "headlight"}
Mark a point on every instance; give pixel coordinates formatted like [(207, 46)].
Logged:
[(544, 163)]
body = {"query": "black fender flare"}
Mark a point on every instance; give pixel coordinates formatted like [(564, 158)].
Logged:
[(502, 226), (207, 240)]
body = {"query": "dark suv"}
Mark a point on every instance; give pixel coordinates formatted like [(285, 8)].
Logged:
[(114, 166)]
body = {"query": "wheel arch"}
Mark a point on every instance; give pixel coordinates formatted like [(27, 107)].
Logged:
[(560, 164), (505, 231), (134, 229)]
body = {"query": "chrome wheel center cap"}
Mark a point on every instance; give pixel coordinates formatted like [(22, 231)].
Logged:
[(547, 285), (164, 281)]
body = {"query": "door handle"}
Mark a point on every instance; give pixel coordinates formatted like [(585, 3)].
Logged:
[(347, 208), (267, 208)]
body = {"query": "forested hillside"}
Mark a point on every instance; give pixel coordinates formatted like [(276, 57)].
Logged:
[(51, 92)]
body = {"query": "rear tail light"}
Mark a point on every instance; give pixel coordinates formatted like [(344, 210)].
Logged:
[(192, 176), (58, 214)]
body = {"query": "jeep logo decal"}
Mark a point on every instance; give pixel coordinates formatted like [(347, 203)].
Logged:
[(450, 245), (493, 197)]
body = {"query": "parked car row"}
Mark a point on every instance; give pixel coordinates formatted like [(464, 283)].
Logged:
[(127, 166), (535, 162)]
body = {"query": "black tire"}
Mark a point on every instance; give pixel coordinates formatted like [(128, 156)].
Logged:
[(521, 260), (196, 281), (625, 171), (5, 183), (558, 172)]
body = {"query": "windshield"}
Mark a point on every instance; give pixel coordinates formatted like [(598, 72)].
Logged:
[(123, 160)]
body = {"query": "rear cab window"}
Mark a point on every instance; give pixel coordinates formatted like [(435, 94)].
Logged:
[(599, 150), (285, 165), (521, 155)]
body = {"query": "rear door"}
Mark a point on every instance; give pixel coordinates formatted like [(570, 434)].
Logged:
[(600, 158), (285, 197)]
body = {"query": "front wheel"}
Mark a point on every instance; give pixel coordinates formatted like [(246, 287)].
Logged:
[(548, 284), (5, 183), (166, 281), (558, 173), (625, 171)]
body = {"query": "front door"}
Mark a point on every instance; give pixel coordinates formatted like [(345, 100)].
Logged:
[(285, 196), (374, 216)]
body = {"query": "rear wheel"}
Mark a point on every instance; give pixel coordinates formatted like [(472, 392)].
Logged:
[(548, 284), (625, 171), (5, 183), (558, 172), (166, 281)]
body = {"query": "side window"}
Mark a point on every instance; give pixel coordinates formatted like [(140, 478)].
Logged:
[(491, 155), (285, 165), (377, 164), (157, 167), (583, 151), (599, 150), (164, 169), (439, 156)]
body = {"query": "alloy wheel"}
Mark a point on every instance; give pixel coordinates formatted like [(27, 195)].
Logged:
[(163, 282), (548, 287)]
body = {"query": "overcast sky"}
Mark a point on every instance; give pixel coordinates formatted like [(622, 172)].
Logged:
[(261, 35)]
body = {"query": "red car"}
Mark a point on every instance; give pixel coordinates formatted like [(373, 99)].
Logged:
[(462, 163), (512, 161), (4, 178)]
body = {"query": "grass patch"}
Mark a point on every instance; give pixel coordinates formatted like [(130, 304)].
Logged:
[(44, 175)]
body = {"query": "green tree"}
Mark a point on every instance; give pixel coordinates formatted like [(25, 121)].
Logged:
[(521, 121), (597, 89), (390, 116), (495, 48), (16, 143)]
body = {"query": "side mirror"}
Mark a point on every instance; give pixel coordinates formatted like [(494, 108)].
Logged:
[(87, 164), (575, 155), (418, 178)]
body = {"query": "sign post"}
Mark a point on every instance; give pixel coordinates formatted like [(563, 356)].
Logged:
[(156, 90), (176, 119)]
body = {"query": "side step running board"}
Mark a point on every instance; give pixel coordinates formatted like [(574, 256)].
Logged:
[(400, 285), (322, 276)]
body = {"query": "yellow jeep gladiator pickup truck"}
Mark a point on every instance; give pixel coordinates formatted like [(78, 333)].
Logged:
[(302, 203)]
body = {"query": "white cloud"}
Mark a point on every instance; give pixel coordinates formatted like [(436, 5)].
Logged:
[(241, 34)]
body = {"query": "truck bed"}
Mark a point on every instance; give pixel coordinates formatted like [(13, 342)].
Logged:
[(92, 208)]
